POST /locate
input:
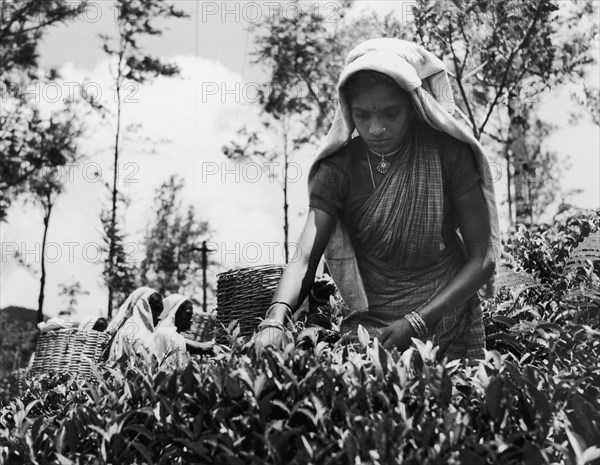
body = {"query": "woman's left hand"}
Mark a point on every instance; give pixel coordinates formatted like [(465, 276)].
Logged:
[(398, 334)]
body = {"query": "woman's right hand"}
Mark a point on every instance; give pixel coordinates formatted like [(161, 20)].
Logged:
[(298, 276), (270, 337)]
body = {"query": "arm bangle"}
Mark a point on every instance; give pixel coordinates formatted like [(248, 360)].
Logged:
[(271, 323), (289, 310), (418, 323), (283, 303)]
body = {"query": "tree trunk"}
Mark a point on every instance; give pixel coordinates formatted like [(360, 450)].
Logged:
[(508, 181), (204, 250), (113, 221), (519, 157), (285, 187), (40, 315)]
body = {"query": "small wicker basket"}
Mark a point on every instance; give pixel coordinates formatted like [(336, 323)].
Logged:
[(69, 350), (244, 295), (203, 327)]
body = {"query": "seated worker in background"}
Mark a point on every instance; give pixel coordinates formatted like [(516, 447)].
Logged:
[(54, 324), (168, 340), (149, 295), (133, 326), (100, 325), (94, 323)]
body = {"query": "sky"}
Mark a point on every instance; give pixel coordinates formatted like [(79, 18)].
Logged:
[(177, 126)]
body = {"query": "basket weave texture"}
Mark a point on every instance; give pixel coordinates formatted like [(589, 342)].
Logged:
[(67, 350), (244, 295), (203, 327)]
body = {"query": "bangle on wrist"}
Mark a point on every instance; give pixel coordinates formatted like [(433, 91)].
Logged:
[(288, 311), (271, 323), (418, 323)]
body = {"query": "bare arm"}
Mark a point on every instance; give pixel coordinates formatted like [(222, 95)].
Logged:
[(194, 347), (474, 226), (299, 275)]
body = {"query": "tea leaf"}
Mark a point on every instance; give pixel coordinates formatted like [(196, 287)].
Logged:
[(63, 460), (363, 336), (493, 397)]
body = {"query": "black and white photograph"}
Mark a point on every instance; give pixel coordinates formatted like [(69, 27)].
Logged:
[(325, 232)]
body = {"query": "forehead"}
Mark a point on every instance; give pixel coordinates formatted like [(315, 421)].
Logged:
[(185, 308), (378, 98)]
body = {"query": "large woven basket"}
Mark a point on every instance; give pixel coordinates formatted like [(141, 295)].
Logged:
[(69, 350), (203, 327), (244, 295)]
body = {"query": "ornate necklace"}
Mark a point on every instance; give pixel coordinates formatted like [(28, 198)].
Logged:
[(383, 164)]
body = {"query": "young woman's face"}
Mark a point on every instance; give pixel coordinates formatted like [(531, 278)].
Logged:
[(183, 317), (382, 116), (156, 305)]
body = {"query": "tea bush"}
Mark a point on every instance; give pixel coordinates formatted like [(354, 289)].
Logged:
[(535, 399)]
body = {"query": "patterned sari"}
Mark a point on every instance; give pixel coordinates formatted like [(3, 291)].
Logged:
[(402, 258)]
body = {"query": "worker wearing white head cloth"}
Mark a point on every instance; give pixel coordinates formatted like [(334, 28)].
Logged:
[(126, 308), (170, 346), (133, 326), (386, 207), (93, 323), (136, 334)]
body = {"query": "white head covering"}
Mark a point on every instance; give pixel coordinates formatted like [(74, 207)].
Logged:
[(88, 323), (136, 334), (126, 307), (166, 338), (53, 324), (424, 77), (170, 306)]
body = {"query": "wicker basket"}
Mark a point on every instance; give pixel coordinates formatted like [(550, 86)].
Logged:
[(203, 327), (67, 350), (244, 295)]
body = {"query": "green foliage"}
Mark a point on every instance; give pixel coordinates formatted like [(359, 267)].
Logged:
[(71, 293), (552, 293), (17, 343), (544, 249), (22, 26), (498, 49), (33, 151), (535, 399), (120, 272), (544, 169), (28, 143), (59, 137), (172, 263), (292, 49), (134, 21), (340, 403), (502, 56)]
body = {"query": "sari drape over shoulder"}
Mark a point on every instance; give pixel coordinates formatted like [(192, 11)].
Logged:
[(402, 257), (133, 326), (396, 261), (169, 346), (126, 308)]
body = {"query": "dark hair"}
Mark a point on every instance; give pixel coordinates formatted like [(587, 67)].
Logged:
[(156, 303), (367, 79), (100, 325), (186, 305)]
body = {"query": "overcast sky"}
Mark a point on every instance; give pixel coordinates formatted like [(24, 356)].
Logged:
[(184, 122)]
